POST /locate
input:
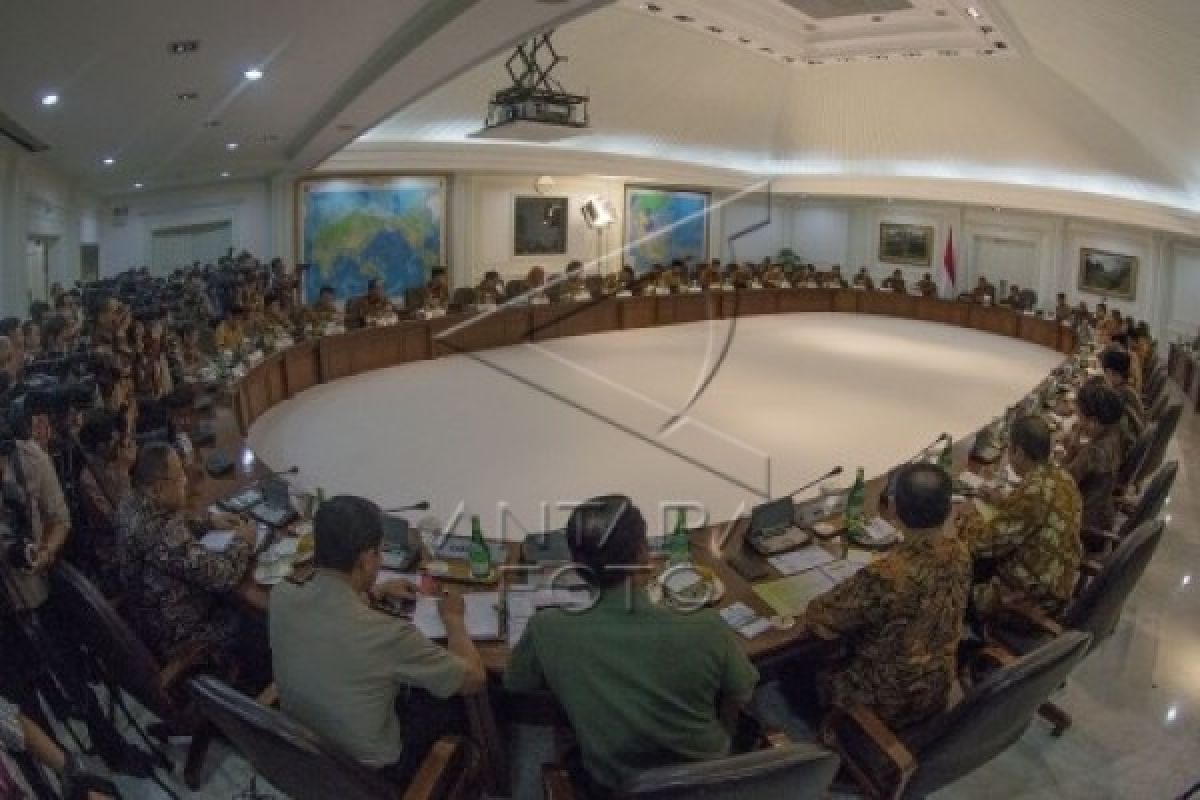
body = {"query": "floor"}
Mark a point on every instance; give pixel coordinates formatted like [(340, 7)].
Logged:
[(1136, 701)]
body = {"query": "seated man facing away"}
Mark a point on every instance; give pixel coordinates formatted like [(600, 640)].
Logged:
[(984, 291), (902, 616), (643, 686), (1093, 454), (927, 287), (175, 586), (1031, 536), (341, 665), (863, 280), (1116, 365)]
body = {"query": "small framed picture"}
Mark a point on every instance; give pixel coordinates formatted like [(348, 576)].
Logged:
[(911, 245), (1108, 274), (540, 226)]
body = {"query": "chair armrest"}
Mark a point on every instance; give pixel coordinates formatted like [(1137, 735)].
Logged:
[(998, 655), (269, 697), (556, 783), (899, 758), (1098, 535), (182, 663), (441, 769), (1091, 567), (1033, 616)]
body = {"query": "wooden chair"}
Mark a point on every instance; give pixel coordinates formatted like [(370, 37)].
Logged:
[(1158, 448), (1095, 611), (302, 766), (795, 771), (124, 664), (995, 712)]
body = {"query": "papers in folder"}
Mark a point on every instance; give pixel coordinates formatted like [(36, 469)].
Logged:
[(790, 596), (801, 560), (482, 616)]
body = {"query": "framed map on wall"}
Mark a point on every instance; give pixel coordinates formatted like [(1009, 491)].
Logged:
[(662, 225), (355, 228), (911, 245), (1109, 274)]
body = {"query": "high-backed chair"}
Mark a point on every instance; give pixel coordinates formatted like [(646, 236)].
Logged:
[(1095, 611), (1159, 408), (464, 297), (414, 298), (297, 762), (1134, 458), (1148, 507), (515, 288), (1156, 383), (994, 713), (124, 663), (1158, 448), (794, 771)]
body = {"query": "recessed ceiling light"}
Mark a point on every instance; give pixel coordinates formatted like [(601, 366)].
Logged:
[(1001, 46), (743, 40), (50, 99), (766, 50), (272, 138), (108, 162), (183, 47), (224, 174), (941, 12), (253, 74), (714, 29), (186, 96), (876, 18), (653, 8), (231, 146), (138, 185), (211, 123), (345, 126), (684, 18), (973, 12)]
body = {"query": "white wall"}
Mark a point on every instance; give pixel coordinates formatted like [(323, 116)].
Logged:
[(37, 201), (246, 205), (821, 234), (481, 225)]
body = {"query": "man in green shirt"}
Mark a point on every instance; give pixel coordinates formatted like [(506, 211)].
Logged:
[(643, 686)]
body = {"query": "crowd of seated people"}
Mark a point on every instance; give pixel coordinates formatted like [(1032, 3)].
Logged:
[(105, 460)]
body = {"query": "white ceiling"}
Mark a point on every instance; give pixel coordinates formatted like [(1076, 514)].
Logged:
[(332, 69), (1093, 96)]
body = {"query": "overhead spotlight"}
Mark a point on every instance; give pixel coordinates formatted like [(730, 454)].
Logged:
[(108, 162), (186, 96), (973, 12), (225, 174), (211, 123), (653, 8), (139, 185), (50, 99), (231, 146), (183, 47), (253, 74)]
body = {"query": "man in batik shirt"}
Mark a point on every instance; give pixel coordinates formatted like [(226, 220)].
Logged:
[(901, 617), (1031, 536)]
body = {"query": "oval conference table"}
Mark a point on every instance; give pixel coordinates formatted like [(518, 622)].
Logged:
[(322, 360)]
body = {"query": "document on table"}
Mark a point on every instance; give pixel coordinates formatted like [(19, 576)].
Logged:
[(839, 571), (790, 596), (802, 560), (482, 616), (218, 541)]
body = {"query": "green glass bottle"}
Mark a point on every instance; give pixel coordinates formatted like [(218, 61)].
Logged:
[(680, 548), (478, 555), (855, 505), (946, 458)]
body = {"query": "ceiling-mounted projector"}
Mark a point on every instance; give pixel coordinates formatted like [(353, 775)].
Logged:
[(536, 107)]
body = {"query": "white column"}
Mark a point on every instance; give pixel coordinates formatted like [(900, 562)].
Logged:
[(14, 272)]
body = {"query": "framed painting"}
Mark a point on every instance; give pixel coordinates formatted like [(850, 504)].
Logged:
[(354, 228), (663, 225), (911, 245), (539, 226), (1108, 274)]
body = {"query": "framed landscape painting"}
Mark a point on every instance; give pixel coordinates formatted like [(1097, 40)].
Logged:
[(1108, 274), (911, 245), (662, 225), (539, 226)]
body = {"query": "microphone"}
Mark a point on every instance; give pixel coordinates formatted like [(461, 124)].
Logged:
[(942, 439), (421, 506), (279, 473), (832, 473)]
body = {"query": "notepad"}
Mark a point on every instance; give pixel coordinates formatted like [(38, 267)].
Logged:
[(743, 619), (801, 560), (838, 571), (790, 596)]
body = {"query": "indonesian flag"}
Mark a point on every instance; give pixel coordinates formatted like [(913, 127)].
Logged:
[(948, 261)]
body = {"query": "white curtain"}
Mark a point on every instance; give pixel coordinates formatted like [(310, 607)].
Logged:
[(172, 248)]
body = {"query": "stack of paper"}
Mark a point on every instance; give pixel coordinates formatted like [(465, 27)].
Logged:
[(482, 616), (218, 541), (802, 560), (743, 619)]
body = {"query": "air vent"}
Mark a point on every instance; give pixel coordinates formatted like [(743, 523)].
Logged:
[(19, 136), (833, 9), (183, 47)]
